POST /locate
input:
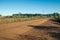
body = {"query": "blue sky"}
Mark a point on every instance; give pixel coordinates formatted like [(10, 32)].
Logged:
[(8, 7)]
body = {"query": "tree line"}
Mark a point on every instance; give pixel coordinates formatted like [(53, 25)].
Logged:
[(55, 15)]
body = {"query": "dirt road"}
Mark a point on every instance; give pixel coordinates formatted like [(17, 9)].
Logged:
[(12, 30)]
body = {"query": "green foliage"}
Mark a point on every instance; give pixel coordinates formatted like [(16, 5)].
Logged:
[(25, 15), (8, 16), (56, 15), (0, 15)]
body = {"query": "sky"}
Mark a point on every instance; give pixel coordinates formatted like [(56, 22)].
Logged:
[(9, 7)]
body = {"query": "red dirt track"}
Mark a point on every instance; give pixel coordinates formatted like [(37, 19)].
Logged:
[(14, 31)]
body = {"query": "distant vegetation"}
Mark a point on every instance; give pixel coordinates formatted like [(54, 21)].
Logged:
[(57, 17), (23, 17)]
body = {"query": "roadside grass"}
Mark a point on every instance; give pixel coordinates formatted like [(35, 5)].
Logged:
[(11, 20)]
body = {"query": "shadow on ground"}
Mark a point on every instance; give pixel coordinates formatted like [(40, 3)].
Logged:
[(55, 35), (30, 37), (56, 21), (45, 27), (50, 33), (52, 30)]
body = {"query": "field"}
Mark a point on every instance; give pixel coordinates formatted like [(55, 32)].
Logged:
[(29, 19), (37, 29)]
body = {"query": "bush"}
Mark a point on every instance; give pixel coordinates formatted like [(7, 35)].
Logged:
[(57, 17)]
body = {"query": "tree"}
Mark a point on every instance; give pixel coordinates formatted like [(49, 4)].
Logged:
[(56, 15), (0, 15)]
